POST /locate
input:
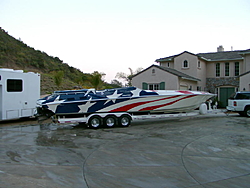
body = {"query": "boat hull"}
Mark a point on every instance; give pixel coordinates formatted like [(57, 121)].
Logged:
[(154, 102)]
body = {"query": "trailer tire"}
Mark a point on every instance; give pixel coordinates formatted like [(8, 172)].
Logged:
[(124, 120), (110, 121), (95, 122)]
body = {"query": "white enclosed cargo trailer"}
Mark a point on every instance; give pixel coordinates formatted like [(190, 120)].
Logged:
[(19, 92)]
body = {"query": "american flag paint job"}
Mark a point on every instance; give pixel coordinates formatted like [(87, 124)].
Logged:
[(128, 99)]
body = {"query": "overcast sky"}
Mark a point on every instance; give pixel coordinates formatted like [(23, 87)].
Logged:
[(110, 36)]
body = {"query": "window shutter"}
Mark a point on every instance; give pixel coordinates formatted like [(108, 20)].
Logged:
[(144, 85), (162, 86)]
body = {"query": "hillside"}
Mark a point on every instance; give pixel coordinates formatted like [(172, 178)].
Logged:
[(15, 54)]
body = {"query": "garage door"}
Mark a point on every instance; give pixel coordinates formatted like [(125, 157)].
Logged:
[(225, 93), (183, 87)]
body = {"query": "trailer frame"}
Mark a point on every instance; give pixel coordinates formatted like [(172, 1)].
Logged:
[(123, 119)]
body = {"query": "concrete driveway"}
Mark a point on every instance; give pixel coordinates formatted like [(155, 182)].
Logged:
[(196, 152)]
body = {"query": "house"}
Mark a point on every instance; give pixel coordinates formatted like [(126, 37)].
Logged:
[(221, 72)]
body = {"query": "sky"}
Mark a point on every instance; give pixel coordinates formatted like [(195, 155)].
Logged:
[(111, 36)]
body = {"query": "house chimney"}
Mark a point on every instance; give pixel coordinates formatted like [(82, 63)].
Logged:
[(220, 49)]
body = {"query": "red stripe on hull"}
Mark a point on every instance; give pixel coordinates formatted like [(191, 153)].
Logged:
[(170, 103), (130, 106)]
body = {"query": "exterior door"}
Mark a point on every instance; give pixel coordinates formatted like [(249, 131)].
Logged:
[(225, 93)]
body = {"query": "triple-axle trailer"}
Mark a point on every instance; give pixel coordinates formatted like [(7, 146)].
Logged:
[(124, 119)]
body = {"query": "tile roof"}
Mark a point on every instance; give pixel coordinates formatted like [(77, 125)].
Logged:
[(177, 73), (217, 56), (212, 56), (171, 71), (248, 72), (171, 58)]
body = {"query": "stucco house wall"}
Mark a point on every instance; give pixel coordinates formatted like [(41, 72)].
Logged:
[(154, 75), (187, 85), (245, 71), (192, 63), (201, 74), (171, 79), (245, 82), (210, 73), (247, 62), (211, 68), (169, 64), (196, 68)]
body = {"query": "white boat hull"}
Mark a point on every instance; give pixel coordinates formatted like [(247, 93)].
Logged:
[(131, 100), (167, 104)]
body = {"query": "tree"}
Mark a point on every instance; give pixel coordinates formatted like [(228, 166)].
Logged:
[(58, 77), (128, 77), (96, 80), (115, 83), (82, 80)]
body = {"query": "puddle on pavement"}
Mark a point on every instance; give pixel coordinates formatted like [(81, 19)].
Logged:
[(52, 139), (47, 134)]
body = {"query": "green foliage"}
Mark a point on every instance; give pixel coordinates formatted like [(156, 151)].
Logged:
[(17, 55), (96, 80), (116, 84), (58, 77)]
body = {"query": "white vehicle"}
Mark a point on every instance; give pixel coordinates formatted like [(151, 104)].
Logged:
[(19, 92), (240, 102)]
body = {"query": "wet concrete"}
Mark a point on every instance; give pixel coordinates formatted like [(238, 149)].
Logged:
[(197, 152)]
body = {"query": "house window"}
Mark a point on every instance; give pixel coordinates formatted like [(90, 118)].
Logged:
[(199, 64), (153, 71), (14, 85), (217, 71), (185, 64), (226, 69), (153, 86), (236, 69), (168, 64), (199, 88)]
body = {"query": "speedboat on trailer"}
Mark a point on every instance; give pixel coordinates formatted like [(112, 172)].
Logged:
[(119, 101)]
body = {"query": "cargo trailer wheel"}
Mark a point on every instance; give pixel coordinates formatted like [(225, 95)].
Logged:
[(110, 121), (124, 120), (247, 111), (95, 122)]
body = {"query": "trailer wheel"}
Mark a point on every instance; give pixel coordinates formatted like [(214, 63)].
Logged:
[(247, 111), (95, 122), (110, 121), (124, 120)]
